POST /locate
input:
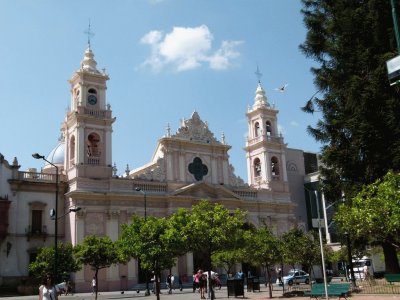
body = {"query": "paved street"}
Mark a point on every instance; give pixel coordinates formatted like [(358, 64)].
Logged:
[(187, 294)]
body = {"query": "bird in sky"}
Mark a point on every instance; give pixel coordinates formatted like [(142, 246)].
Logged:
[(282, 88)]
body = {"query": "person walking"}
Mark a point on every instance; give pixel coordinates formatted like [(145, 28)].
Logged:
[(48, 291), (196, 279), (279, 274), (202, 284), (180, 282), (94, 285), (169, 283)]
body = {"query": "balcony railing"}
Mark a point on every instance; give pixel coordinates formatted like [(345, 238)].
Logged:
[(152, 187), (97, 113), (36, 233), (246, 194), (264, 137), (36, 176)]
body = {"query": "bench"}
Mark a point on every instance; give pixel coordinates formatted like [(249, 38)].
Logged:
[(392, 278), (334, 290)]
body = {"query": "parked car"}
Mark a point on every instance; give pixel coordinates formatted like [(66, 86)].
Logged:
[(296, 276)]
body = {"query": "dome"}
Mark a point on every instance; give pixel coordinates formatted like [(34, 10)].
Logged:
[(56, 156)]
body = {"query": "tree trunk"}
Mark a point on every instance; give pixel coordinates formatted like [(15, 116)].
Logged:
[(391, 260), (97, 283), (157, 291), (268, 269)]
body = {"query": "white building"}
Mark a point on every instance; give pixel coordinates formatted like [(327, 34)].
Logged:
[(188, 165)]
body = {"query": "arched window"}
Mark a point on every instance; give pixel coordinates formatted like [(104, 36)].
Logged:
[(72, 150), (92, 91), (268, 128), (274, 166), (93, 145), (256, 129), (257, 167)]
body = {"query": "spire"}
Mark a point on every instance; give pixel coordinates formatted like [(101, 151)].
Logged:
[(88, 63), (259, 74), (89, 35), (260, 100)]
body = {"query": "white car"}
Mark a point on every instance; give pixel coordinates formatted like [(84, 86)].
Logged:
[(296, 276)]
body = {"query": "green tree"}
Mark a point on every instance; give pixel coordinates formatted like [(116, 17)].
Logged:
[(262, 248), (156, 242), (375, 213), (98, 253), (351, 41), (301, 248), (44, 263), (227, 259), (210, 229)]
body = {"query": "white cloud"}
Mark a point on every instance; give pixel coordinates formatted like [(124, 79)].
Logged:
[(187, 48), (222, 58), (294, 124), (151, 38)]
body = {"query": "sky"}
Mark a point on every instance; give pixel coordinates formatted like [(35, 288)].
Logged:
[(165, 58)]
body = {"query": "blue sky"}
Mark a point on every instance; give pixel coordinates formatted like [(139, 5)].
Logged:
[(165, 59)]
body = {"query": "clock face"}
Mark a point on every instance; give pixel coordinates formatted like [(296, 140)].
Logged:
[(92, 99)]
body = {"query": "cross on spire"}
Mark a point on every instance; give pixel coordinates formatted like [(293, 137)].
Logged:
[(89, 34), (258, 74)]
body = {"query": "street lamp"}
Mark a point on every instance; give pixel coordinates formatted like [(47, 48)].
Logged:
[(320, 240), (38, 156), (138, 189), (70, 210), (321, 245)]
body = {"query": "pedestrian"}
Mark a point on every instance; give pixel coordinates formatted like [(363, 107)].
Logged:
[(239, 275), (67, 287), (279, 273), (62, 287), (169, 283), (94, 285), (366, 272), (153, 280), (217, 281), (196, 278), (48, 291), (172, 281), (180, 282), (202, 283)]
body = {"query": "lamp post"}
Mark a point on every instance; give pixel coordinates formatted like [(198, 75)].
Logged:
[(38, 156), (138, 189), (70, 210), (321, 245), (320, 240)]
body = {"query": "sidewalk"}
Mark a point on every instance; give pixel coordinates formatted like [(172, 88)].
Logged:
[(187, 294)]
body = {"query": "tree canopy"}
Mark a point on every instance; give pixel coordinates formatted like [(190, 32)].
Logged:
[(98, 253), (375, 214), (155, 242), (44, 263), (263, 248), (351, 41), (211, 228)]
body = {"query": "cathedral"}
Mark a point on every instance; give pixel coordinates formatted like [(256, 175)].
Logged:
[(188, 165)]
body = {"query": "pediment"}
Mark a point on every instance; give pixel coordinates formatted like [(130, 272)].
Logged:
[(205, 190)]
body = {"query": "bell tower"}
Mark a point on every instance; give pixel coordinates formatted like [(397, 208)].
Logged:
[(265, 148), (88, 125)]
